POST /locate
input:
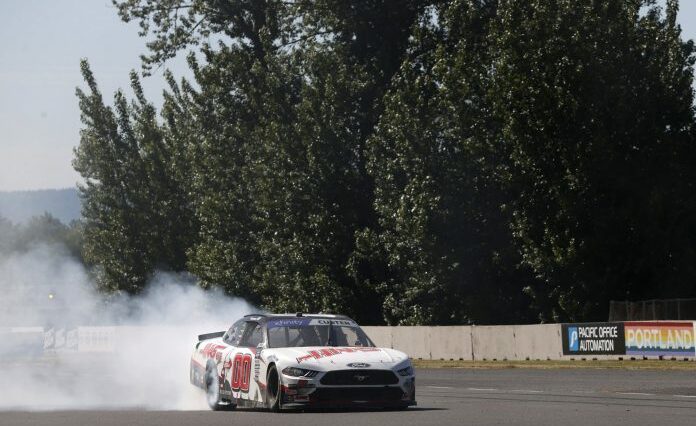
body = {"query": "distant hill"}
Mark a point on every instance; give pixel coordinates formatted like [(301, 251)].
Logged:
[(19, 206)]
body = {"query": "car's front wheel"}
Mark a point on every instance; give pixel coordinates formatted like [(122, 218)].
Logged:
[(274, 389), (212, 391)]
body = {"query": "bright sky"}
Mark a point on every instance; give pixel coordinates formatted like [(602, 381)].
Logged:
[(42, 43)]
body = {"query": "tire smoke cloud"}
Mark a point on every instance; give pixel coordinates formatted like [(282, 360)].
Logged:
[(45, 293)]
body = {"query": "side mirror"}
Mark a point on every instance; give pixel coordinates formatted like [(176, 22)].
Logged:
[(259, 348)]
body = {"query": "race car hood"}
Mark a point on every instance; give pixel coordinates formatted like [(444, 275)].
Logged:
[(328, 358)]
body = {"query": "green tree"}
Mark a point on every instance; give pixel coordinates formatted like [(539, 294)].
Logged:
[(438, 193), (408, 161), (46, 229), (41, 230), (134, 216), (595, 103), (286, 102)]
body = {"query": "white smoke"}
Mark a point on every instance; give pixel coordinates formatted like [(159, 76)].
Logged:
[(143, 360)]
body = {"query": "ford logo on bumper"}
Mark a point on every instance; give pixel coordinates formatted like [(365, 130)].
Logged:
[(358, 365)]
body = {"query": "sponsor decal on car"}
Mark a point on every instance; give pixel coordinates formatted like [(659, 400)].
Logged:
[(257, 368), (346, 323), (213, 351), (329, 352), (288, 322), (241, 372)]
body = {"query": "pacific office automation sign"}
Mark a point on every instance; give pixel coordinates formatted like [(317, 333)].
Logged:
[(661, 338), (606, 338)]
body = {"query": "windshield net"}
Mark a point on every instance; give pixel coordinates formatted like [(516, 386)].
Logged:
[(305, 332)]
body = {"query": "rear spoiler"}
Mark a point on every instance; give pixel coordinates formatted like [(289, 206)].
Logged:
[(207, 336)]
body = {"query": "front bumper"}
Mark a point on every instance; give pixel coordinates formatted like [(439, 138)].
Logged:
[(399, 395)]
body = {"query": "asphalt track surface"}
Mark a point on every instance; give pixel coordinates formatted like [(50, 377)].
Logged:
[(459, 397)]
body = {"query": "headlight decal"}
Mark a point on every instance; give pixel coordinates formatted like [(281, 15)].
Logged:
[(299, 372), (408, 371)]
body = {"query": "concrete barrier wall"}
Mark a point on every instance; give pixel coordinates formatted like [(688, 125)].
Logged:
[(415, 341), (499, 343), (483, 343), (538, 342), (381, 336), (493, 343), (519, 342), (96, 339), (446, 342), (450, 342)]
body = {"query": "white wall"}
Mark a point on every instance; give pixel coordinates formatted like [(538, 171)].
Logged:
[(515, 342), (480, 343)]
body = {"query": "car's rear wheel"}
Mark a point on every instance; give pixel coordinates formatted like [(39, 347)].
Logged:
[(212, 391), (274, 389)]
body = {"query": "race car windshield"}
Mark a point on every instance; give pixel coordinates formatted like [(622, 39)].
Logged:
[(287, 333)]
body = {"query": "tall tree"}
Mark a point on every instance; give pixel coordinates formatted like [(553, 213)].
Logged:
[(408, 161), (595, 102), (287, 99), (133, 220), (441, 205)]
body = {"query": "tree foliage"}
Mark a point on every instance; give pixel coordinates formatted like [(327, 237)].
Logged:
[(414, 162), (135, 217), (41, 230), (595, 102)]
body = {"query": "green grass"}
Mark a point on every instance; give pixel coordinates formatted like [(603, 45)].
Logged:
[(597, 364)]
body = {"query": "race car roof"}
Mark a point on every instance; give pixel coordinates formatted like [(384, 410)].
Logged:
[(266, 317)]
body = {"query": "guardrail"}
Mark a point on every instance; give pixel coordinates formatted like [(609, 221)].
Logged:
[(612, 340)]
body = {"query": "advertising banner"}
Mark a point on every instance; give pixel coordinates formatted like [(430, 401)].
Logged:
[(96, 339), (673, 339), (60, 339), (605, 338)]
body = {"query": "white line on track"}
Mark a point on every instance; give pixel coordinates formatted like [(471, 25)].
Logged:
[(525, 391), (635, 393), (685, 396), (440, 387), (481, 389)]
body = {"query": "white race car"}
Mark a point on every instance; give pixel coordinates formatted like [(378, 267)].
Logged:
[(300, 361)]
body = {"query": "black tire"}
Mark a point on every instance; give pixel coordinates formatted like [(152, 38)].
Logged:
[(212, 391), (274, 389)]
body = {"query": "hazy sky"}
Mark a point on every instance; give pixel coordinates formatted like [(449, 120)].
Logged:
[(42, 43)]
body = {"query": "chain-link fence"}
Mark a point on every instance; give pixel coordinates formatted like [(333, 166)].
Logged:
[(656, 309)]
